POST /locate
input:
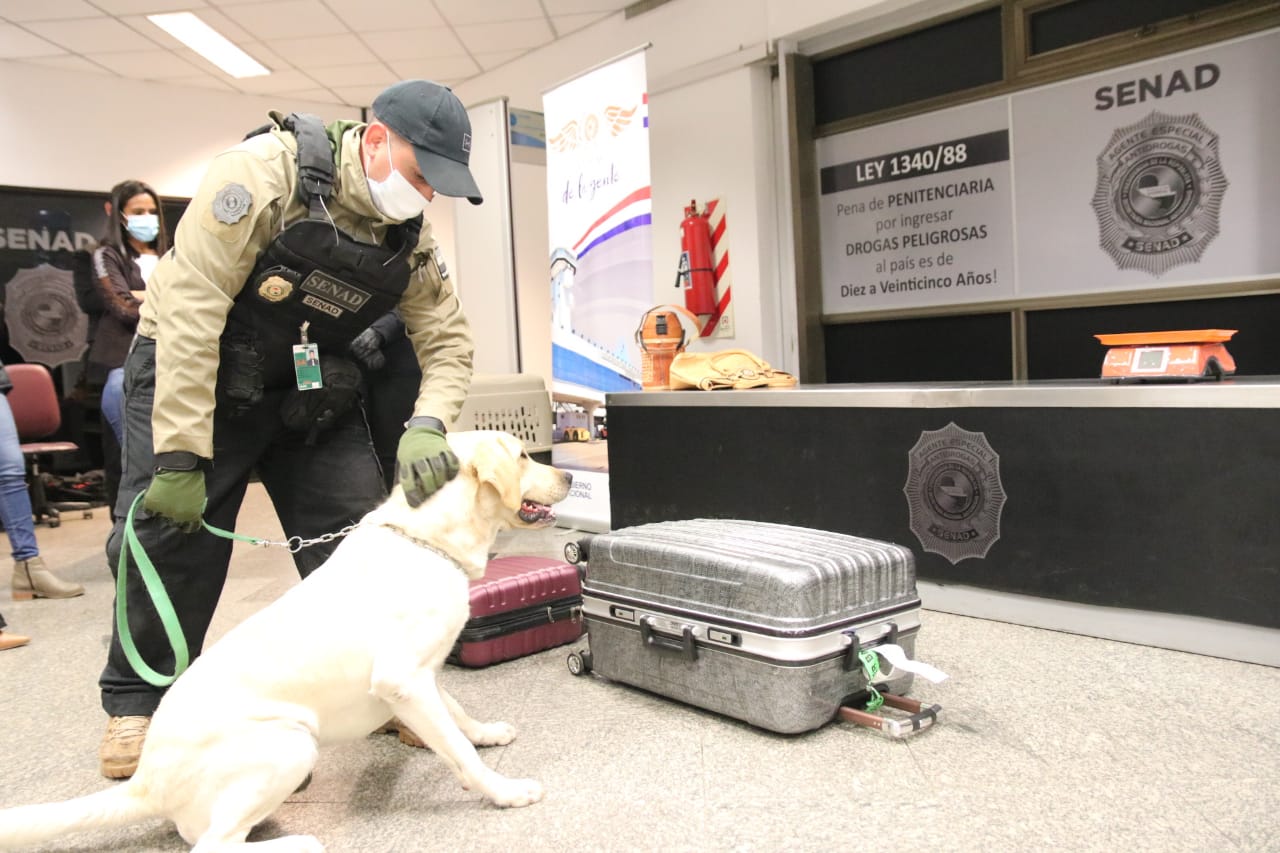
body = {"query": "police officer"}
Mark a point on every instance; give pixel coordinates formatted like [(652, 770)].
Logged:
[(297, 239)]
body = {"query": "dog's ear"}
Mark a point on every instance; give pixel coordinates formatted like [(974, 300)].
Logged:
[(498, 467)]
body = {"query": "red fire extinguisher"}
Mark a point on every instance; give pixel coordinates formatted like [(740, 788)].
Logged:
[(697, 270)]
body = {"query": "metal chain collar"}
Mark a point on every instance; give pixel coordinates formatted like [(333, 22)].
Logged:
[(297, 543)]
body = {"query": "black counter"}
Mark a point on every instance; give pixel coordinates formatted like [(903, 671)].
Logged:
[(1153, 497)]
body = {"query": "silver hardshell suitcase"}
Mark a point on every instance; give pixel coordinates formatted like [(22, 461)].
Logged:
[(762, 622)]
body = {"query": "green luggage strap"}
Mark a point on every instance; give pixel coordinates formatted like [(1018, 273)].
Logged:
[(160, 598), (871, 667)]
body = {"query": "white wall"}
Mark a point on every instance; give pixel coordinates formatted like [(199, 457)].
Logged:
[(706, 142), (80, 131), (484, 251), (685, 34), (529, 207), (712, 132), (533, 284)]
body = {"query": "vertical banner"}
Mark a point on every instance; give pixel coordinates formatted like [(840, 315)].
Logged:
[(599, 224), (485, 245)]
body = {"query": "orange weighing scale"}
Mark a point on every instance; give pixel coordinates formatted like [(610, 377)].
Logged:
[(1186, 355)]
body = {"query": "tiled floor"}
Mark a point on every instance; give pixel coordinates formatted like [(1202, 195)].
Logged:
[(1049, 741)]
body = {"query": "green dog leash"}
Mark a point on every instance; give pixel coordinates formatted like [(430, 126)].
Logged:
[(160, 598)]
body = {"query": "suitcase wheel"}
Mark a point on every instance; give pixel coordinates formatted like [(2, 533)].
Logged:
[(579, 551), (579, 663)]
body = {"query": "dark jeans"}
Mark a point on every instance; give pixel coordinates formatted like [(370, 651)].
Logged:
[(315, 489), (111, 469)]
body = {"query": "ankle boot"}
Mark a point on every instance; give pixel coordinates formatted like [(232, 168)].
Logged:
[(32, 579)]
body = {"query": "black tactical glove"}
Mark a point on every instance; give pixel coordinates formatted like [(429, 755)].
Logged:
[(367, 347)]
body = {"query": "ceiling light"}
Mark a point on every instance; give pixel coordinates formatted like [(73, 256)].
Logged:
[(209, 43)]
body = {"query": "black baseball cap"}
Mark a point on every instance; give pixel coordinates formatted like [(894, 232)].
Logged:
[(434, 121)]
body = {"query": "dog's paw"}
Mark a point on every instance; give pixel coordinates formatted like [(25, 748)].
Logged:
[(514, 793), (492, 734)]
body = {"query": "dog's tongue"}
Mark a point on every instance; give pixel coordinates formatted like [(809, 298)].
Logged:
[(531, 512)]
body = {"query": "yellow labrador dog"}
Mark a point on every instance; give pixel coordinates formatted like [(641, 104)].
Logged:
[(240, 730)]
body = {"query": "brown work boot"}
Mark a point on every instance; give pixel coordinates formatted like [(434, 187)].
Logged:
[(32, 579), (122, 745), (10, 640), (406, 734)]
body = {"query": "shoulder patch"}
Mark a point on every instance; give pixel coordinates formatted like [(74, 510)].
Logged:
[(231, 203)]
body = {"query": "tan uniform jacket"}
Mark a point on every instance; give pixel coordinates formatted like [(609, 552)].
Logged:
[(192, 287)]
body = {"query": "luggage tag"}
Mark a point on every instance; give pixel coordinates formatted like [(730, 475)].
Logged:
[(306, 362)]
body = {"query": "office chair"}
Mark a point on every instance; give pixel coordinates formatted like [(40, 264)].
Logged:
[(37, 415)]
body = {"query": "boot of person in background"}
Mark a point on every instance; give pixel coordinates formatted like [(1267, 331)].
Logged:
[(32, 579), (8, 639)]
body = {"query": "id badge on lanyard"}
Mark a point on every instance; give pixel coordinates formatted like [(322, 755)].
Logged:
[(306, 363)]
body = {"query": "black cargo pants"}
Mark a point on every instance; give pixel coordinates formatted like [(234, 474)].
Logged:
[(315, 489)]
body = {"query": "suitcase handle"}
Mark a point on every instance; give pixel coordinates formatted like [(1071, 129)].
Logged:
[(685, 645), (921, 717), (851, 661)]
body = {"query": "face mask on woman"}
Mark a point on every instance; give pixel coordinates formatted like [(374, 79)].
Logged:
[(394, 196), (143, 227)]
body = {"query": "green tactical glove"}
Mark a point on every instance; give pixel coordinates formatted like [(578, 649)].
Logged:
[(424, 461), (178, 497)]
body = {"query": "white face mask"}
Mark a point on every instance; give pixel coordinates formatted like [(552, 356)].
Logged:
[(394, 196)]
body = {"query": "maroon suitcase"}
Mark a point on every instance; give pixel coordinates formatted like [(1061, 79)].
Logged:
[(522, 605)]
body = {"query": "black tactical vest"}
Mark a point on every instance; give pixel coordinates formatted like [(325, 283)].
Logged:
[(313, 272)]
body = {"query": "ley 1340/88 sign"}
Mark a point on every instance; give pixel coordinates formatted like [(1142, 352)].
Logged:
[(917, 212)]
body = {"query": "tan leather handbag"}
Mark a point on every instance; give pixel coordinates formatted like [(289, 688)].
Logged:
[(726, 369)]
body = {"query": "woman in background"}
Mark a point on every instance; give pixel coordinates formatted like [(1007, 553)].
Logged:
[(31, 577), (135, 240)]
